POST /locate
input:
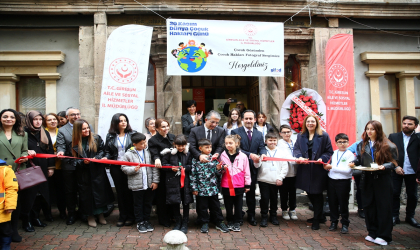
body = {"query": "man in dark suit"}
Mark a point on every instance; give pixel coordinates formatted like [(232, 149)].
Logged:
[(209, 130), (252, 144), (408, 144)]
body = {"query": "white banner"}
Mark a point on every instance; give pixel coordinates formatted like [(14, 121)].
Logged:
[(225, 48), (125, 76)]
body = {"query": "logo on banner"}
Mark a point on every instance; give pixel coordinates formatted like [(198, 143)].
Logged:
[(123, 70), (191, 58), (250, 30), (338, 75)]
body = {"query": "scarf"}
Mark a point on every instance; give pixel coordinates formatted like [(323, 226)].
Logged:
[(30, 125)]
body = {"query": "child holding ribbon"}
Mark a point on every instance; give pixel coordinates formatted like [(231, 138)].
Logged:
[(236, 167), (178, 187)]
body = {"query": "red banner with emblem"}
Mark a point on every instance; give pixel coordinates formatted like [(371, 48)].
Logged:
[(339, 83)]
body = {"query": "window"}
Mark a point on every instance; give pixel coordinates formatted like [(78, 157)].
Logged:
[(390, 103), (291, 75), (30, 93)]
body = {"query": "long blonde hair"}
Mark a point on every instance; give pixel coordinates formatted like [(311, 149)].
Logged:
[(77, 138), (230, 121), (318, 129)]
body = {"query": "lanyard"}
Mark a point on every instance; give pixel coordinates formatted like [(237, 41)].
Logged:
[(272, 156), (372, 151), (141, 158), (291, 148), (338, 160), (123, 143)]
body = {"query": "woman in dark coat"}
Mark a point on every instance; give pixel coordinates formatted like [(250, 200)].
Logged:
[(93, 186), (177, 156), (376, 186), (39, 142), (162, 140), (191, 119), (313, 144), (262, 124), (118, 141)]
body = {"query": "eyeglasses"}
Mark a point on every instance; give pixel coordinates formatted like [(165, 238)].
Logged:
[(288, 132), (342, 142), (75, 114)]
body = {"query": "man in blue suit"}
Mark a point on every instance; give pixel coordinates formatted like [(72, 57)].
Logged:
[(252, 144)]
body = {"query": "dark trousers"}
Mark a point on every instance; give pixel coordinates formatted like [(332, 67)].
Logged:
[(5, 235), (377, 202), (288, 194), (317, 201), (16, 212), (411, 190), (233, 205), (185, 207), (358, 192), (206, 203), (250, 196), (338, 195), (142, 204), (70, 188), (268, 195), (124, 194), (40, 203), (57, 193)]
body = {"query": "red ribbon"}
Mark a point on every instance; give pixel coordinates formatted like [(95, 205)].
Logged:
[(285, 159), (230, 183), (182, 176)]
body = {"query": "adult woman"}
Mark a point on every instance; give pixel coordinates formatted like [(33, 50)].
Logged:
[(191, 119), (62, 120), (377, 150), (56, 181), (234, 121), (163, 139), (39, 142), (313, 144), (262, 125), (118, 141), (93, 186), (13, 144), (149, 123)]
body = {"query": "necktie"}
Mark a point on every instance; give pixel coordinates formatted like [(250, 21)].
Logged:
[(208, 134), (249, 135)]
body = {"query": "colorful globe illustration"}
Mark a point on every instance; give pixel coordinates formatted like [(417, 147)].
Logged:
[(192, 59)]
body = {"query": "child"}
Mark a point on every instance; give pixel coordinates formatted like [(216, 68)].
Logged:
[(339, 183), (178, 156), (288, 189), (141, 180), (270, 178), (204, 186), (9, 189), (238, 165)]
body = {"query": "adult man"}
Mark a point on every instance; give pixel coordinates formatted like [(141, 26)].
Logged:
[(209, 130), (408, 144), (252, 144), (239, 105), (64, 138)]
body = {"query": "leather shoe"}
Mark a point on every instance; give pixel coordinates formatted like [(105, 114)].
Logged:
[(263, 222), (395, 220), (315, 226), (361, 213), (16, 237), (251, 220), (274, 221), (311, 220), (27, 226), (70, 220), (120, 223), (345, 229), (412, 222), (333, 226), (38, 223)]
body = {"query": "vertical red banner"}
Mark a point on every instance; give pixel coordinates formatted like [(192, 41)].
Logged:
[(199, 95), (339, 82)]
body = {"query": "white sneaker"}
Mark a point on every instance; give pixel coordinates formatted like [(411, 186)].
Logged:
[(286, 215), (368, 238), (220, 196), (380, 241), (293, 215), (257, 190)]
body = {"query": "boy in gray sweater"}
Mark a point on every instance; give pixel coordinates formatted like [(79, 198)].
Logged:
[(141, 180)]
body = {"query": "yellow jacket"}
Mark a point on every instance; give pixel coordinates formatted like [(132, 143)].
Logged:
[(10, 189)]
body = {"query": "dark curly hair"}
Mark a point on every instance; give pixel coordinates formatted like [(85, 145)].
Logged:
[(17, 127)]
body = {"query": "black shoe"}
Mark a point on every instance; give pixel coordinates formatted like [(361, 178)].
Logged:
[(361, 213), (49, 218), (345, 229), (141, 227), (149, 226), (412, 222), (71, 219), (120, 223), (178, 223), (128, 223), (395, 220), (184, 227), (16, 237), (236, 227), (311, 220), (274, 221), (222, 227), (315, 226), (333, 226), (38, 223), (205, 228), (230, 225), (263, 222), (251, 220), (165, 224), (27, 226)]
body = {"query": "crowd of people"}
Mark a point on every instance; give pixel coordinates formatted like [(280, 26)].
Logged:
[(205, 163)]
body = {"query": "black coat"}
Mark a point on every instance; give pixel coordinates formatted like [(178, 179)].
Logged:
[(312, 177), (111, 150), (92, 181), (188, 124), (413, 149), (218, 135), (270, 129), (158, 143), (34, 143), (173, 188)]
